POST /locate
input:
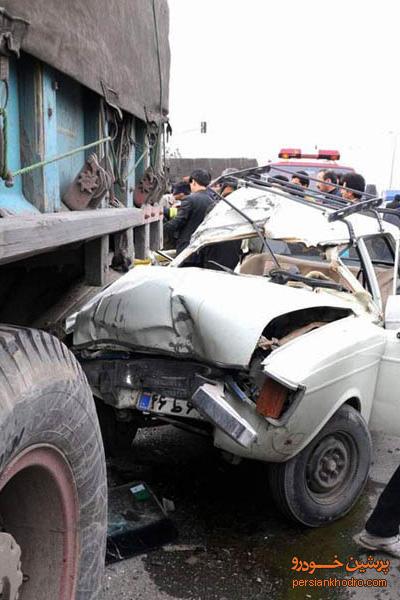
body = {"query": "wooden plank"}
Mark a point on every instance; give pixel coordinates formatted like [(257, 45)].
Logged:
[(25, 236), (96, 261), (142, 241), (156, 235), (123, 246), (130, 248)]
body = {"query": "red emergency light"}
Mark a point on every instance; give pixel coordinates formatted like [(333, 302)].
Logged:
[(297, 153), (329, 154), (290, 153)]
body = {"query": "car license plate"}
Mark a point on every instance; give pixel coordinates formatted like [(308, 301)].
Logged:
[(154, 403)]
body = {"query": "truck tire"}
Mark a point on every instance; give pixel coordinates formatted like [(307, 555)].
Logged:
[(53, 494), (323, 482)]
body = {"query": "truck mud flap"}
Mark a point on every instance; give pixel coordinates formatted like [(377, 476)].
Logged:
[(211, 403)]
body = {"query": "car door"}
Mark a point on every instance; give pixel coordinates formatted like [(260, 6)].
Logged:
[(379, 254)]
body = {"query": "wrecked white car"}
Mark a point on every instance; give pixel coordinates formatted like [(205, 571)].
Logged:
[(291, 360)]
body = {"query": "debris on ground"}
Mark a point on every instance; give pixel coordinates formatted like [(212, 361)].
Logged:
[(137, 522)]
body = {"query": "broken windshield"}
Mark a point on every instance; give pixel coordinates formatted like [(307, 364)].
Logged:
[(307, 265)]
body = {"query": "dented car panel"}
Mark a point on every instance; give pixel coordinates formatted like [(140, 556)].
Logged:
[(280, 218), (335, 364), (286, 362), (385, 408), (329, 366), (191, 313)]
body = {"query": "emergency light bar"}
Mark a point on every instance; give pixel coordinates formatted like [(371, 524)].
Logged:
[(322, 154)]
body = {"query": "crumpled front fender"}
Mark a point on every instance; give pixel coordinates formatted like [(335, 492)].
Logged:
[(334, 364)]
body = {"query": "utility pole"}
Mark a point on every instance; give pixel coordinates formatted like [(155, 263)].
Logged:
[(393, 158)]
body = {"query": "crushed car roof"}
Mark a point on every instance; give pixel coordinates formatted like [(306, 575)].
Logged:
[(281, 217)]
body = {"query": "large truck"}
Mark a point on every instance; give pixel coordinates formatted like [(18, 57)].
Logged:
[(83, 111)]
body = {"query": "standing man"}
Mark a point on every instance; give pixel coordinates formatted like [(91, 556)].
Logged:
[(192, 210), (327, 185), (299, 185), (222, 254), (300, 179), (180, 191), (382, 528), (354, 185)]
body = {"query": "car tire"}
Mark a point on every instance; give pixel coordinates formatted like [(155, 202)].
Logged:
[(53, 494), (323, 482)]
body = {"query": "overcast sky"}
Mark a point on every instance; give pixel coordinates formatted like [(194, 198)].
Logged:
[(269, 74)]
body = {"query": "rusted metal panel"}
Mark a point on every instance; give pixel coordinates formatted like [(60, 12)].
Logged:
[(89, 186), (14, 198)]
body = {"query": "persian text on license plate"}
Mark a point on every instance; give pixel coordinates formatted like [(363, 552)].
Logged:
[(171, 406)]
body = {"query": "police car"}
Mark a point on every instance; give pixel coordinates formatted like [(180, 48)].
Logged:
[(294, 160)]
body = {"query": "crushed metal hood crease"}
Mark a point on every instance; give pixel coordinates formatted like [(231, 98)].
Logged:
[(190, 313)]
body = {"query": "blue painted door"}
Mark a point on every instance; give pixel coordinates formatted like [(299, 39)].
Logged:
[(70, 129)]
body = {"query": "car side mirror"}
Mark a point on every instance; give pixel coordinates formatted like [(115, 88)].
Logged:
[(392, 313)]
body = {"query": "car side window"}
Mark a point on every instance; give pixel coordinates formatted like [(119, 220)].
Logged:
[(382, 257), (380, 251), (351, 258)]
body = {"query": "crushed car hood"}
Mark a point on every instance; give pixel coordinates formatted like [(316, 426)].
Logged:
[(279, 216), (191, 313)]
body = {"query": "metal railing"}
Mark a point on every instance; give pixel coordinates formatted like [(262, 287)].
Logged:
[(251, 177)]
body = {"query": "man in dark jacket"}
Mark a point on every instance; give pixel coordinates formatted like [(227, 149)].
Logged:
[(353, 187), (327, 185), (222, 254), (192, 210)]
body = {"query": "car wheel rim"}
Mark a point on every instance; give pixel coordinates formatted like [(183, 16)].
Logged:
[(39, 509), (331, 467)]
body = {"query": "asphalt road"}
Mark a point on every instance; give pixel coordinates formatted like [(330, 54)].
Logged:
[(233, 544)]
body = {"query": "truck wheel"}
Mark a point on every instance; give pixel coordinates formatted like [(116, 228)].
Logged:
[(323, 482), (53, 496)]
